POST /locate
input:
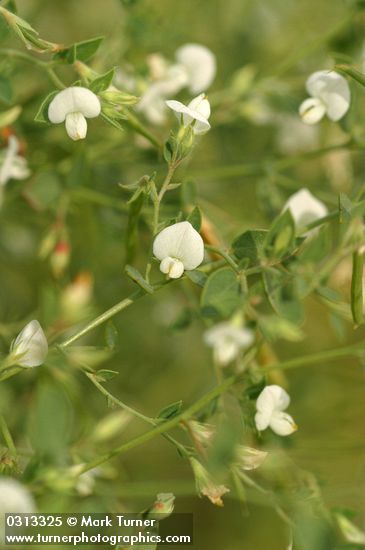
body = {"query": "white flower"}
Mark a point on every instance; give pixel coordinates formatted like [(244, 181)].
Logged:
[(14, 499), (270, 404), (74, 105), (179, 247), (227, 341), (248, 458), (195, 114), (330, 95), (12, 165), (305, 208), (200, 65), (153, 101), (30, 348)]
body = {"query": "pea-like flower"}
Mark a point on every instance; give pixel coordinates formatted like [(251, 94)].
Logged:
[(330, 95), (74, 105), (227, 341), (195, 114), (179, 247), (30, 348), (305, 208), (153, 101), (194, 68), (200, 65), (270, 405)]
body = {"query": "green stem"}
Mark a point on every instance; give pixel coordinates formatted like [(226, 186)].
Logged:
[(230, 261), (134, 123), (132, 411), (120, 306), (310, 359), (8, 52), (54, 78)]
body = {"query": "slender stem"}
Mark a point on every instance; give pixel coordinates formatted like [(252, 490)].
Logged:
[(8, 52), (156, 208), (54, 78), (7, 436), (132, 411), (319, 357), (120, 306), (310, 359), (134, 123), (224, 255)]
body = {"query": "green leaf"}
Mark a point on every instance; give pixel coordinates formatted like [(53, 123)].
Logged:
[(221, 294), (195, 218), (102, 82), (170, 411), (104, 375), (111, 336), (80, 51), (250, 245), (197, 277), (42, 114), (136, 276), (168, 150), (280, 239), (317, 247), (282, 292), (356, 287), (351, 72), (112, 121)]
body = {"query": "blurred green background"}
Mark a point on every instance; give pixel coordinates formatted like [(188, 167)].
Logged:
[(55, 411)]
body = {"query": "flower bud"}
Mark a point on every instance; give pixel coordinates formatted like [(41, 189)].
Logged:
[(248, 458), (206, 485), (60, 258), (30, 348), (163, 507)]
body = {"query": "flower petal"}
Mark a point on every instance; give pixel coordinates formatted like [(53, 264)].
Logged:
[(272, 398), (305, 208), (173, 268), (75, 99), (312, 110), (333, 90), (181, 242), (282, 423), (262, 420), (200, 65), (76, 126)]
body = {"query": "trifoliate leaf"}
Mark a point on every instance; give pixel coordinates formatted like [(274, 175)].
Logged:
[(221, 294)]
